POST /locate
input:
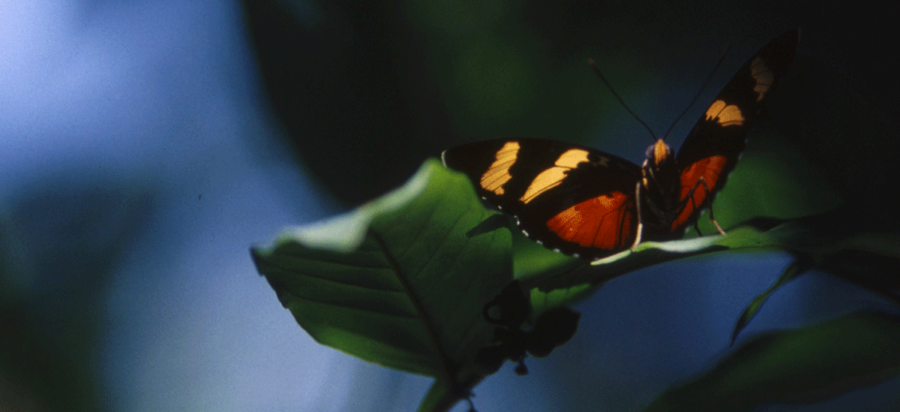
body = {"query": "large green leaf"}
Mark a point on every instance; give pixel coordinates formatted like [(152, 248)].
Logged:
[(401, 281), (803, 365)]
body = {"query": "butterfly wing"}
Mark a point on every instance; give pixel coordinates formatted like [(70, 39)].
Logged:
[(711, 150), (570, 198)]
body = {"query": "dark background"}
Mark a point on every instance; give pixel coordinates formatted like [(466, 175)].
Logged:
[(382, 85), (146, 145)]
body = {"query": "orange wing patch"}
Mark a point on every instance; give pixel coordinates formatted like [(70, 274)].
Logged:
[(604, 222), (707, 169), (763, 76), (725, 114), (497, 173), (552, 177)]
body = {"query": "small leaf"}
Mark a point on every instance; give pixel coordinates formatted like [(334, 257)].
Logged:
[(845, 242), (795, 269), (401, 281), (803, 365)]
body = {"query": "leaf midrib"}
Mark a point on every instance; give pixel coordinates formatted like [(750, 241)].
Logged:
[(446, 365)]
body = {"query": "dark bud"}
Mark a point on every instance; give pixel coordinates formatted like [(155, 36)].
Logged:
[(553, 328)]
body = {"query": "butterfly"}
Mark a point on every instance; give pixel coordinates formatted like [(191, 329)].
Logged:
[(591, 204)]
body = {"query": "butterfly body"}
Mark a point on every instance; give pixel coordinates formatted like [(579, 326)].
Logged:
[(592, 204), (660, 185)]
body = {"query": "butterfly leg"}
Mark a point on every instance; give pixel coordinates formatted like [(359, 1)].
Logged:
[(706, 201), (640, 225), (711, 218)]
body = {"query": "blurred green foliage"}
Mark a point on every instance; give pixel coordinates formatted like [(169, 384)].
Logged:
[(59, 241), (797, 366)]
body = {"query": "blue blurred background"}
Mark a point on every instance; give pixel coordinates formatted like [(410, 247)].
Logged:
[(146, 145)]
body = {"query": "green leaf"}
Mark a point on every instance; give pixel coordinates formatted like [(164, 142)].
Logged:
[(857, 244), (795, 269), (804, 365), (401, 281), (865, 251)]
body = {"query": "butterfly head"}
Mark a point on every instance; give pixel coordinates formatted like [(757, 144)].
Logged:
[(659, 152), (660, 163)]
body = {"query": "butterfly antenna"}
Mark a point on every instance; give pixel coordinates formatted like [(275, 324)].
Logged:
[(699, 92), (616, 95)]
